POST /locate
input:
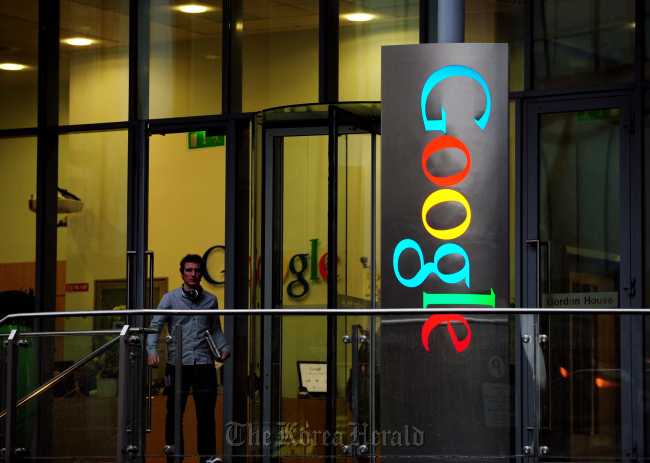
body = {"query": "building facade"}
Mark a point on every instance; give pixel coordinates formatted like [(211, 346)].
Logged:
[(249, 132)]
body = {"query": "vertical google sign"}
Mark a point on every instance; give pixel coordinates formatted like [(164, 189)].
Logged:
[(444, 180)]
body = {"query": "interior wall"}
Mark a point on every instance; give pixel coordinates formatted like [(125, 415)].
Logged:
[(17, 184), (186, 207)]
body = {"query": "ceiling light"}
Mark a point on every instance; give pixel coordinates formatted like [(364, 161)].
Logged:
[(11, 66), (193, 9), (359, 17), (79, 41)]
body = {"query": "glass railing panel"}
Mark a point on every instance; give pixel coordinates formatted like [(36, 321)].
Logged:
[(581, 398), (547, 386), (446, 398), (62, 411)]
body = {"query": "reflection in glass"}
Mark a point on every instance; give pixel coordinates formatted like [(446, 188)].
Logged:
[(582, 42), (18, 47), (449, 402), (579, 208), (579, 228), (581, 398), (94, 62)]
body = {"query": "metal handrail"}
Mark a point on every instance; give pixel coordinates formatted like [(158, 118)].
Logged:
[(52, 382), (45, 334), (350, 311)]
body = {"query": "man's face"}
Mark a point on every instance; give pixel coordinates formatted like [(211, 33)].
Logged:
[(192, 274)]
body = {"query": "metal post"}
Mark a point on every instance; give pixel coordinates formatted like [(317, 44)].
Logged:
[(354, 379), (178, 392), (10, 401), (451, 21), (123, 396)]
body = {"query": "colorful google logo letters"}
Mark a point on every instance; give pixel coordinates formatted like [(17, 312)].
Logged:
[(439, 196)]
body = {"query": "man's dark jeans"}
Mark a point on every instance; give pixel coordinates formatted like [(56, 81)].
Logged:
[(202, 379)]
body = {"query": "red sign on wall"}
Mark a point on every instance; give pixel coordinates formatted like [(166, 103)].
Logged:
[(76, 287)]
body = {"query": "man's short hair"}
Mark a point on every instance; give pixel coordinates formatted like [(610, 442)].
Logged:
[(193, 258)]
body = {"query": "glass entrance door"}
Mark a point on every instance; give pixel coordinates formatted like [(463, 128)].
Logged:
[(316, 254), (197, 202), (577, 256)]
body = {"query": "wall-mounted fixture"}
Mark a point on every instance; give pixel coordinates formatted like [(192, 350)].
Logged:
[(67, 203)]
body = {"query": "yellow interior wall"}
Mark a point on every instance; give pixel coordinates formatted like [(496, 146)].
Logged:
[(186, 206), (17, 183)]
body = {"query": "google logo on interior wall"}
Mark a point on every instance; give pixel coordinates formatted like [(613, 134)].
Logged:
[(440, 196), (297, 265)]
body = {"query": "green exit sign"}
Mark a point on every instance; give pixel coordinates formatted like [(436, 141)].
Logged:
[(598, 115), (196, 140)]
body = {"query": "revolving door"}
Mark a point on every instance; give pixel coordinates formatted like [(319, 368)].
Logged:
[(315, 249)]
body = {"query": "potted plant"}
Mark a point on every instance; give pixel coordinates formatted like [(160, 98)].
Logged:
[(106, 365)]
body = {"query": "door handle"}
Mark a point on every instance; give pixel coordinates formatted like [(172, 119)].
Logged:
[(150, 254), (538, 268), (149, 397), (129, 264)]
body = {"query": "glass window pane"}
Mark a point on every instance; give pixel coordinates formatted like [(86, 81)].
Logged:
[(579, 205), (94, 62), (499, 22), (280, 62), (185, 63), (18, 47), (583, 42), (304, 227), (92, 234), (18, 250), (581, 400), (448, 403), (360, 42), (76, 405)]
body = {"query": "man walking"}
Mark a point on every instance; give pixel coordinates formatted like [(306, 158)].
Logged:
[(199, 372)]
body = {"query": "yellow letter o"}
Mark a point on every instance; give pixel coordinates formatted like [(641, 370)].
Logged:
[(441, 196)]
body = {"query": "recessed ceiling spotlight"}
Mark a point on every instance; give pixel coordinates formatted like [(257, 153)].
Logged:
[(11, 66), (78, 41), (359, 17), (193, 9)]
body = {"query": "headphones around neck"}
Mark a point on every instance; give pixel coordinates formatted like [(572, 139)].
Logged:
[(194, 294)]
